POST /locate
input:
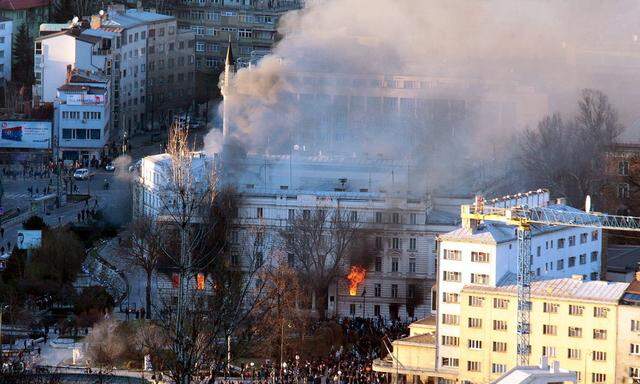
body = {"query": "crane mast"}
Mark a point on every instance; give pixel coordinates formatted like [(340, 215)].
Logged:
[(522, 218)]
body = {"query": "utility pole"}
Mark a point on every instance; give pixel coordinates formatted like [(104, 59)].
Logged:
[(58, 170)]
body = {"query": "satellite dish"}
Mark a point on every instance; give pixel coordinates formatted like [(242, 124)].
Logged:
[(75, 20), (587, 204), (101, 13)]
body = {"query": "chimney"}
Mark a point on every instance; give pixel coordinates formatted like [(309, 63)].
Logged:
[(544, 363), (69, 71), (555, 367), (577, 277), (96, 21)]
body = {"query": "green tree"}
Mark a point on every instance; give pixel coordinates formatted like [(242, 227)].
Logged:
[(23, 57), (34, 223)]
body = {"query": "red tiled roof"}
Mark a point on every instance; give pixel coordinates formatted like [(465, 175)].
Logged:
[(15, 5)]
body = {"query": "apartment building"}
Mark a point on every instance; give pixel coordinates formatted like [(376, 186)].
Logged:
[(573, 321), (81, 119), (251, 25), (628, 340), (483, 253), (275, 190), (31, 13)]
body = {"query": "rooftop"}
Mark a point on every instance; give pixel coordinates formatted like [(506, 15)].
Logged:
[(565, 288), (16, 5), (623, 258), (429, 320), (82, 88), (537, 374)]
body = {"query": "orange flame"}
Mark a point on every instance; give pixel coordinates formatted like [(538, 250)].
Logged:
[(356, 277)]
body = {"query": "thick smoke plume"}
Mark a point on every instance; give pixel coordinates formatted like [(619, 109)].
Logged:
[(484, 70)]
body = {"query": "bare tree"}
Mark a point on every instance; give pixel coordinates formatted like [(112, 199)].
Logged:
[(569, 156), (323, 242), (142, 248)]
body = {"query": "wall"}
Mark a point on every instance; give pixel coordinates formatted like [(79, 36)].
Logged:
[(625, 359)]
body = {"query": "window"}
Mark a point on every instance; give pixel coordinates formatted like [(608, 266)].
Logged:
[(474, 344), (538, 251), (67, 133), (413, 218), (594, 235), (634, 349), (600, 334), (576, 310), (480, 257), (594, 256), (290, 259), (394, 291), (500, 303), (450, 362), (560, 243), (95, 134), (499, 346), (354, 216), (634, 372), (259, 212), (479, 278), (395, 217), (600, 312), (199, 47), (599, 356), (376, 310), (498, 368), (623, 190), (499, 325), (395, 243), (584, 237), (474, 322), (412, 244), (560, 265), (378, 217), (548, 351), (450, 319), (81, 134), (378, 265), (593, 276), (352, 309), (378, 242), (573, 354), (476, 301), (623, 168), (575, 332), (598, 377), (259, 259), (473, 366), (572, 261), (572, 241), (583, 259), (450, 254), (550, 307), (377, 290), (306, 214), (635, 325), (291, 214), (412, 265), (549, 329), (450, 298), (452, 341), (451, 276), (394, 264)]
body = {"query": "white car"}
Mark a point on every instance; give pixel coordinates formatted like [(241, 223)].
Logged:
[(110, 167), (81, 174)]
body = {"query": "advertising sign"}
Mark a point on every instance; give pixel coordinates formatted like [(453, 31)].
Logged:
[(25, 134), (74, 99), (29, 239)]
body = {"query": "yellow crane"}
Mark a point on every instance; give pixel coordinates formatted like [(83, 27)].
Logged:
[(522, 218)]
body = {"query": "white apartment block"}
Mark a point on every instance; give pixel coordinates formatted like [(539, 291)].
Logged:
[(6, 39), (484, 254), (275, 189), (82, 112)]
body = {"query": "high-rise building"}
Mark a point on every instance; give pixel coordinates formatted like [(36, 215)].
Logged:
[(251, 25)]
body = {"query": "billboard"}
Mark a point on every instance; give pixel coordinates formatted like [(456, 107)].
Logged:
[(25, 134), (29, 239), (75, 99)]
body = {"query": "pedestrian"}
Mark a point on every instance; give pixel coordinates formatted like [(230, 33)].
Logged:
[(2, 232), (78, 217), (37, 191), (83, 215), (59, 220), (2, 250), (39, 351), (9, 246)]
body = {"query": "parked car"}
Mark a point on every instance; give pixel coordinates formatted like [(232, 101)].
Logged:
[(110, 167), (81, 174)]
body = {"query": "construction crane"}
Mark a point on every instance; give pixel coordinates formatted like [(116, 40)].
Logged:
[(522, 218)]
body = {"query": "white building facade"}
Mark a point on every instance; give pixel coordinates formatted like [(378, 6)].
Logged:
[(274, 190), (484, 254), (82, 113), (6, 39)]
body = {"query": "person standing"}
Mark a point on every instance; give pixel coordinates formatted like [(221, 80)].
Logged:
[(2, 232)]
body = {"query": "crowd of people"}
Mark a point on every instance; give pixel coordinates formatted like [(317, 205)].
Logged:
[(350, 363)]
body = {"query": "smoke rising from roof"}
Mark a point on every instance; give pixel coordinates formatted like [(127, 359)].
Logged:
[(478, 71)]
